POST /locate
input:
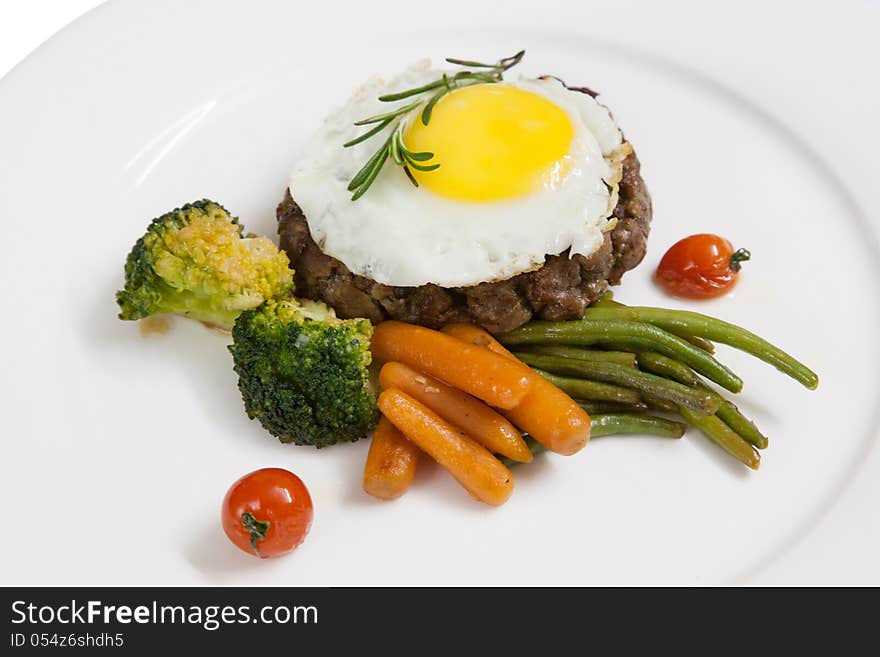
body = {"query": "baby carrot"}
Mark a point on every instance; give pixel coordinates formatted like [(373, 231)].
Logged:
[(391, 462), (477, 336), (477, 371), (479, 421), (546, 413), (471, 464), (553, 418)]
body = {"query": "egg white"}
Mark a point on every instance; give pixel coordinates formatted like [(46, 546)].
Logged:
[(400, 235)]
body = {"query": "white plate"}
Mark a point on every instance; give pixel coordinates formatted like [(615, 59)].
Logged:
[(118, 449)]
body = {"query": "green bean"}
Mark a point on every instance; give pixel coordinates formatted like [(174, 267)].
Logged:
[(657, 404), (620, 357), (591, 390), (607, 300), (733, 417), (589, 331), (727, 410), (608, 425), (613, 424), (651, 361), (625, 376), (602, 408), (723, 436), (697, 341), (712, 329)]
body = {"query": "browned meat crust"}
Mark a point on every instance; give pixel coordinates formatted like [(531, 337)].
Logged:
[(561, 289)]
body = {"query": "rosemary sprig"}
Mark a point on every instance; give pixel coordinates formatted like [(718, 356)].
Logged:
[(393, 148)]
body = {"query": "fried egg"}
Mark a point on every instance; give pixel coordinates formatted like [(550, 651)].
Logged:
[(527, 168)]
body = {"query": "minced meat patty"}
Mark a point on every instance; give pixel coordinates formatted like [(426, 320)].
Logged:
[(561, 289)]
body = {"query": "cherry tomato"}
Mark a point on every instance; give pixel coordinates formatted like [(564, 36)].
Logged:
[(700, 267), (267, 512)]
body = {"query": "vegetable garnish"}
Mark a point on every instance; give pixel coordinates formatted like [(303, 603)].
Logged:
[(391, 462), (598, 376), (303, 373), (496, 380), (393, 148), (471, 464), (571, 356), (547, 412), (468, 413), (613, 424), (709, 328), (700, 267), (267, 513), (197, 261)]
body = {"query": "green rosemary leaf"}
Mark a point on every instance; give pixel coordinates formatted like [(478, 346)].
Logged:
[(510, 62), (379, 128), (365, 185), (422, 156), (467, 62), (395, 148), (389, 115), (429, 107), (420, 167), (364, 173), (400, 95), (482, 77), (409, 175)]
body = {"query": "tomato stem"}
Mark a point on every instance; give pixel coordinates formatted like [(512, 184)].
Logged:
[(257, 529), (739, 256)]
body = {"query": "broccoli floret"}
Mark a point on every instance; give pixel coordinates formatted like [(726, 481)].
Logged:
[(302, 372), (195, 262)]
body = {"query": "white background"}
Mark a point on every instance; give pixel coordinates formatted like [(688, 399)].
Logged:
[(25, 24)]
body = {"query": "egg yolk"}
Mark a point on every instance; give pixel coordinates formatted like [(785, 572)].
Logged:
[(492, 142)]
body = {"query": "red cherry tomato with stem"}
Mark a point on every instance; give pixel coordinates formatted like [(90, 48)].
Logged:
[(267, 512), (701, 266)]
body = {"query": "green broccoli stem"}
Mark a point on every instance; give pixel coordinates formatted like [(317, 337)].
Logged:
[(256, 528)]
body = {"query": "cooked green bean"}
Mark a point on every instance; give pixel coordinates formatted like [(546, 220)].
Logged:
[(607, 300), (727, 410), (612, 424), (712, 329), (657, 404), (725, 437), (591, 390), (620, 357), (733, 417), (651, 361), (633, 345), (697, 341), (653, 338), (625, 376), (603, 408)]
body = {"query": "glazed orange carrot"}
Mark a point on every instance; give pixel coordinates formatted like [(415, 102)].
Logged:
[(391, 462), (471, 464), (478, 336), (552, 418), (546, 413), (458, 408), (477, 371)]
